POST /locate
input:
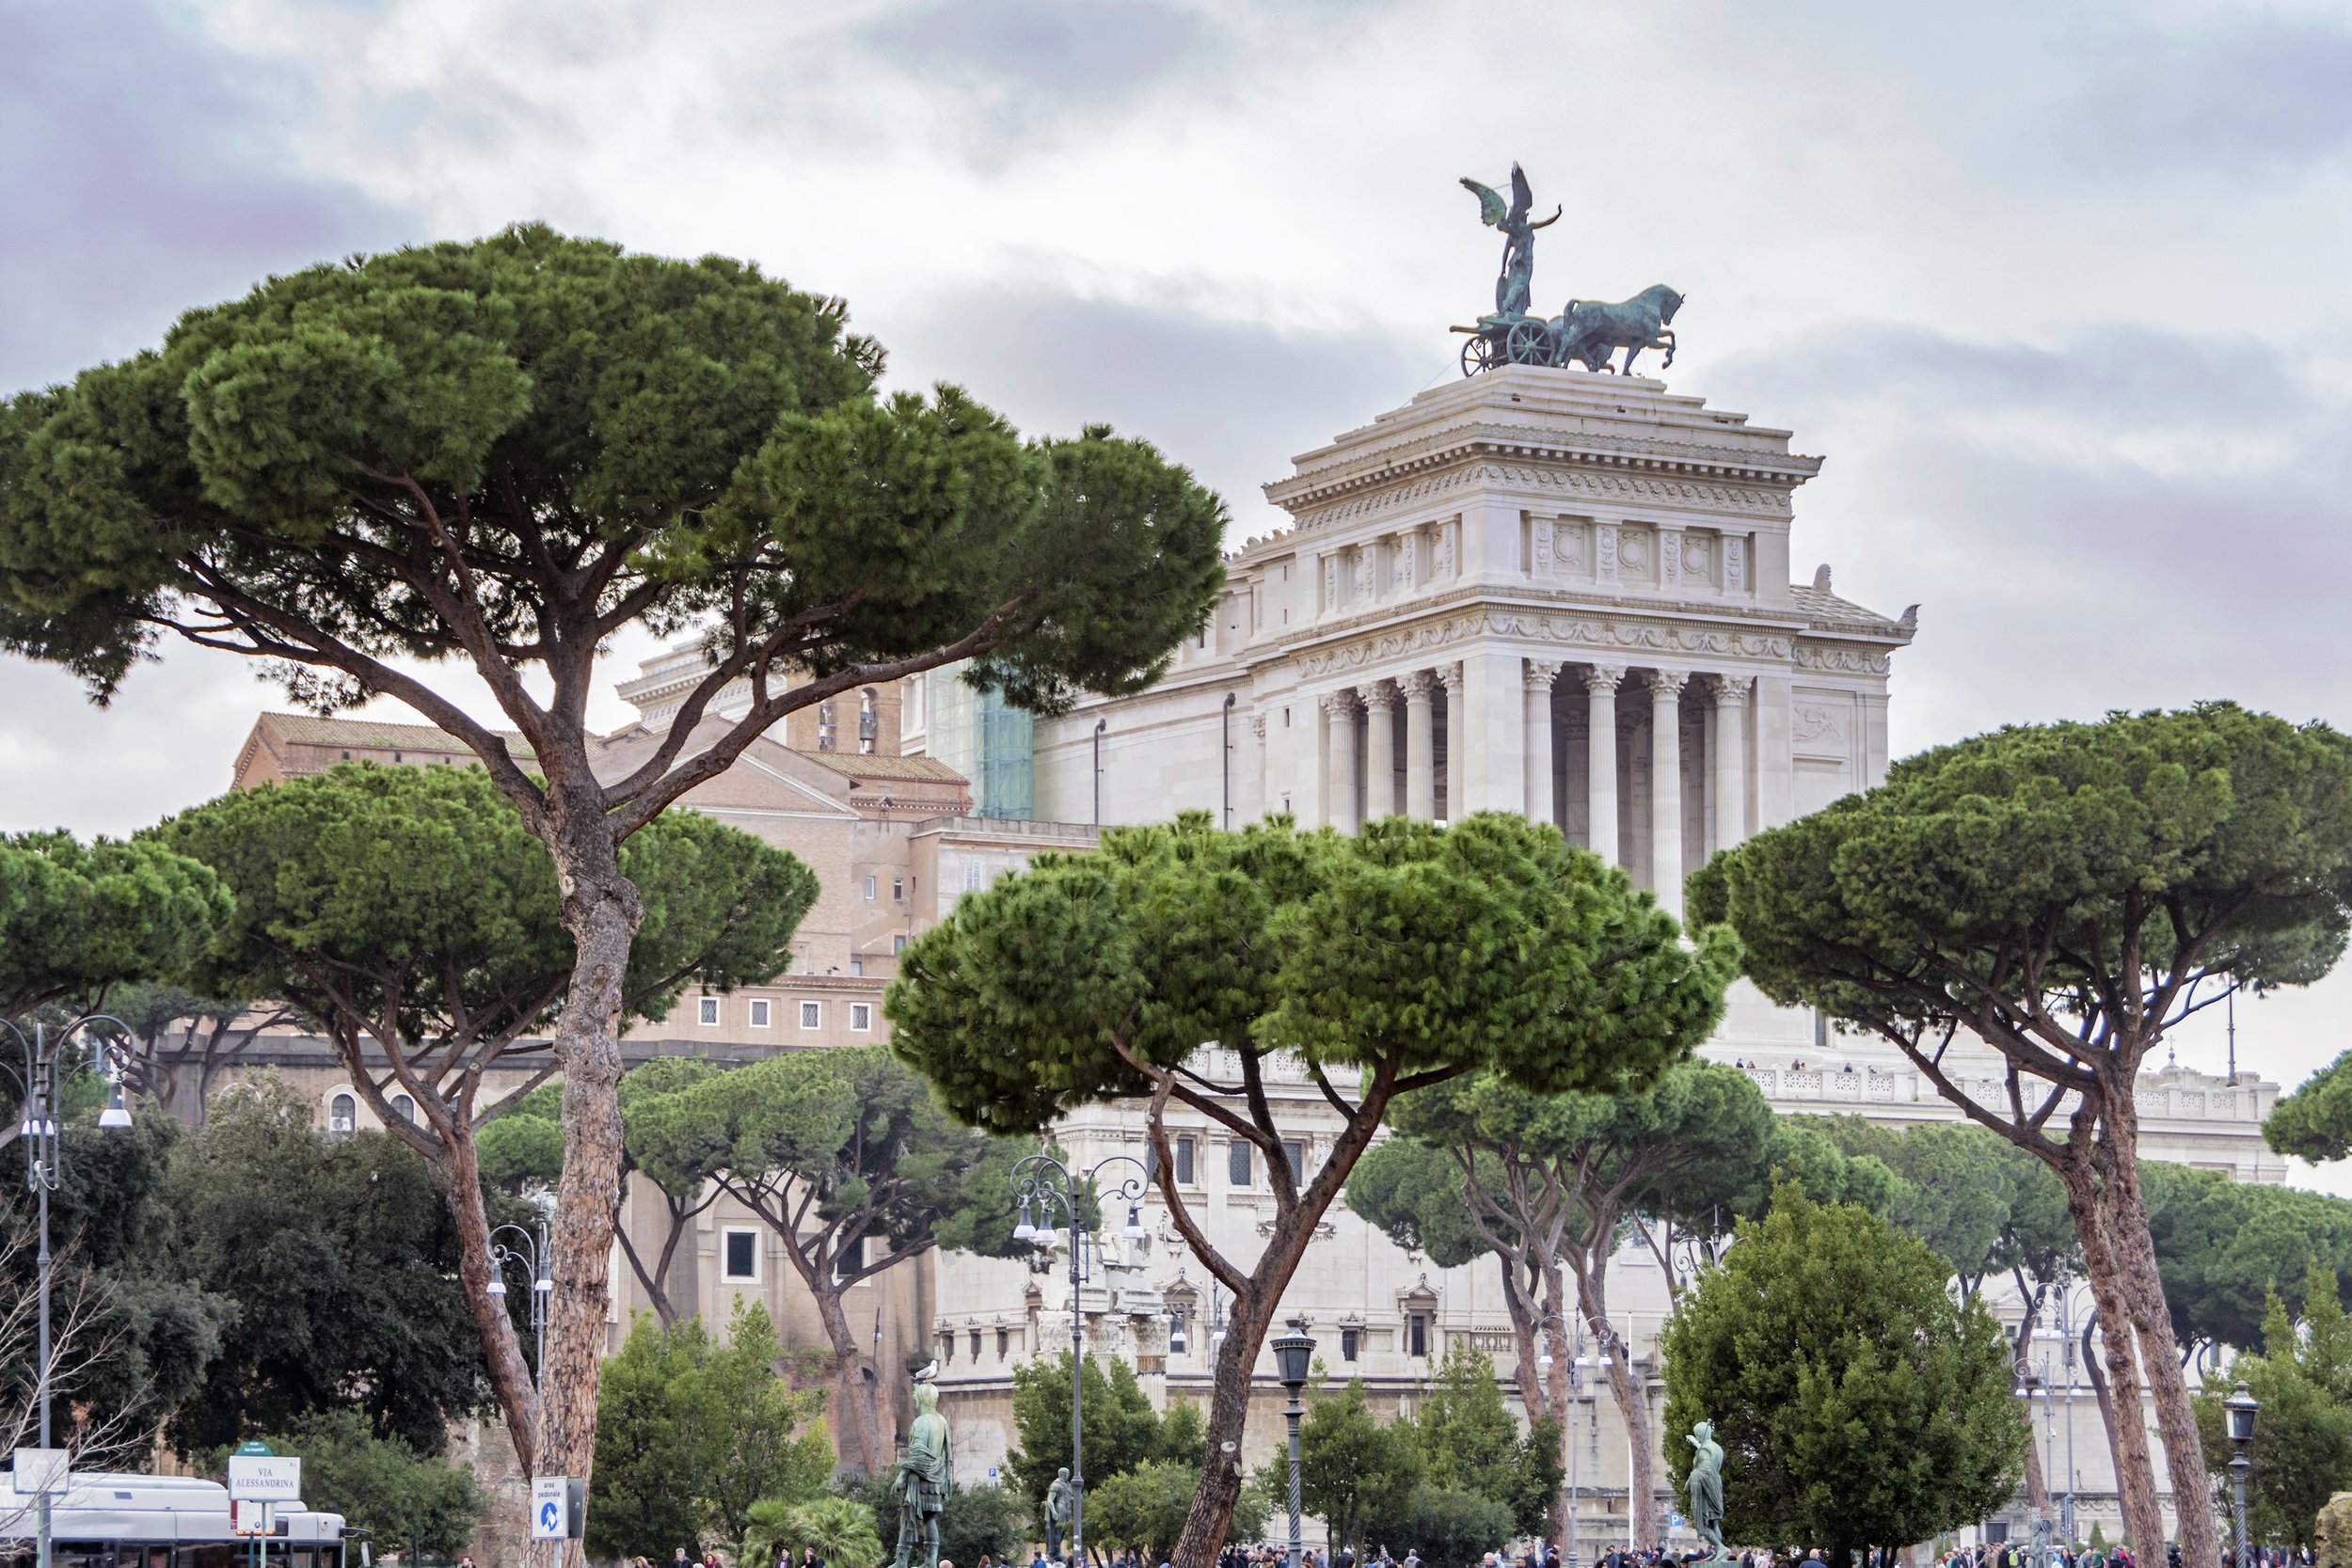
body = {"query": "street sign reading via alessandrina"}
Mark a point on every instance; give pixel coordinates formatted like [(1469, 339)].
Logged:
[(258, 1476)]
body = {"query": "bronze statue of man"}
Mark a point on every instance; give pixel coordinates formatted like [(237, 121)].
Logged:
[(1705, 1489), (1062, 1502), (926, 1476)]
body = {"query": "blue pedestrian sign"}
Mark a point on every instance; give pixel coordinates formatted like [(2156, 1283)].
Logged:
[(553, 1500)]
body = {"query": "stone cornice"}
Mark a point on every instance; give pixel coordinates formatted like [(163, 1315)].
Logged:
[(1595, 635)]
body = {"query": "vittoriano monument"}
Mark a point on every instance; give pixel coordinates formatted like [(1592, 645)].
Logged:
[(1705, 1489), (925, 1475), (1586, 332)]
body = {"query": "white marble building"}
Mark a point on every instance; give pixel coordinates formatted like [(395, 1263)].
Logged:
[(1534, 591)]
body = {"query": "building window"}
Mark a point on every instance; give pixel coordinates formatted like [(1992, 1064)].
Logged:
[(1350, 1341), (850, 1259), (1004, 1342), (870, 890), (404, 1107), (1183, 1161), (707, 1012), (346, 755), (1417, 1334), (861, 1015), (971, 876), (811, 1014), (824, 726), (1237, 1162), (343, 1114), (857, 966), (898, 889), (1294, 1155), (975, 1344), (759, 1012), (947, 1344), (739, 1262), (898, 943)]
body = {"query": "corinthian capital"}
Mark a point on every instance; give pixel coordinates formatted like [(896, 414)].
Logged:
[(1665, 685), (1541, 673), (1731, 691), (1417, 685), (1601, 678)]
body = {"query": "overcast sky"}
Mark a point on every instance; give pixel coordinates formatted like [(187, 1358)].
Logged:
[(2060, 290)]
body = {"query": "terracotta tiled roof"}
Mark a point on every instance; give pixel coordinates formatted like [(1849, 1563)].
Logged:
[(857, 765), (305, 729)]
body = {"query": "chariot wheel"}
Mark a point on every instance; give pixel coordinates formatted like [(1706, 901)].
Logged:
[(1528, 343), (1479, 353)]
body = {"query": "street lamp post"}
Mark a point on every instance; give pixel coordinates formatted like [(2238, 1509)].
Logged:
[(1291, 1357), (44, 1168), (529, 1249), (1043, 1184), (1575, 1345), (2240, 1408)]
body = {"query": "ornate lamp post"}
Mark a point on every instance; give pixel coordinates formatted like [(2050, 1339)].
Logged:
[(44, 1168), (1292, 1354), (2240, 1408), (531, 1250), (1044, 1185), (1574, 1338)]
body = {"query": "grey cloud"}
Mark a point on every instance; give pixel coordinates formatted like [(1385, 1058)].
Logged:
[(1233, 401), (2260, 96), (1070, 47), (144, 171)]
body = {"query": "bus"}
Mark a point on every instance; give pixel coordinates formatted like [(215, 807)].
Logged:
[(132, 1521)]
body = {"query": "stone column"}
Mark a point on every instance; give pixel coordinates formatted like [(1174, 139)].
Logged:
[(1379, 750), (1420, 773), (1600, 757), (1541, 673), (1339, 762), (1731, 760), (1666, 787), (1456, 745)]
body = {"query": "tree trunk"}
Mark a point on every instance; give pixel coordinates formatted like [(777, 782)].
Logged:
[(1626, 1388), (2097, 1375), (1221, 1474), (2143, 1290), (1524, 1329), (2134, 1468), (2037, 1489), (863, 1412), (601, 911), (656, 1279), (1556, 1302), (460, 1176)]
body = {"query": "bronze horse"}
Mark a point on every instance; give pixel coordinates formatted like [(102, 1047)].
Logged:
[(1592, 331)]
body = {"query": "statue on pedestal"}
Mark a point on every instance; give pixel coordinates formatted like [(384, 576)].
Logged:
[(1706, 1489), (1061, 1499), (926, 1476)]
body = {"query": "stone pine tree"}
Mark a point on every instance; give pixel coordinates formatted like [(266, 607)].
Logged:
[(407, 913), (2065, 893), (78, 921), (505, 453), (1184, 965), (847, 1158), (2301, 1454), (1564, 1174), (1858, 1403)]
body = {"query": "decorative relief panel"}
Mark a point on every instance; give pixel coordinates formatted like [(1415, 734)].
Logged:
[(1735, 565), (1842, 661), (1605, 550), (1767, 503), (1669, 555), (1633, 550), (1568, 543), (1443, 566), (1696, 554), (1562, 631), (1408, 560), (1539, 554), (1331, 584)]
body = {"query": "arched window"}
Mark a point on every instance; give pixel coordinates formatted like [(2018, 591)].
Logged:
[(404, 1107), (343, 1114)]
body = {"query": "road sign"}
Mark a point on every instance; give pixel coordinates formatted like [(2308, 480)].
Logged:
[(559, 1507), (1674, 1521), (264, 1478), (251, 1518), (40, 1471)]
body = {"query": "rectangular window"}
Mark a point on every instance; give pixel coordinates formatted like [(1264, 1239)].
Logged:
[(741, 1262), (850, 1259), (1294, 1155), (857, 966), (811, 1014), (1350, 1341), (1237, 1162), (1417, 1334), (708, 1011), (759, 1012), (870, 890), (898, 943), (898, 889), (971, 876), (1004, 1342), (975, 1344), (1183, 1162), (861, 1015)]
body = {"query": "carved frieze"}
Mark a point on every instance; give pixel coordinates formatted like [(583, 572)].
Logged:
[(1638, 489), (1842, 661), (1600, 636)]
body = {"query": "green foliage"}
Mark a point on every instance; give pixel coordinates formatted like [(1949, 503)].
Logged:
[(416, 1504), (692, 1433), (671, 435), (1979, 1202), (1352, 1465), (1121, 1430), (1411, 1191), (1468, 1440), (341, 1260), (991, 1520), (1448, 1528), (1855, 1402), (2301, 1454), (2315, 1121), (1407, 948), (76, 919), (416, 891), (2223, 1245), (843, 1530), (1142, 1508), (983, 1222)]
